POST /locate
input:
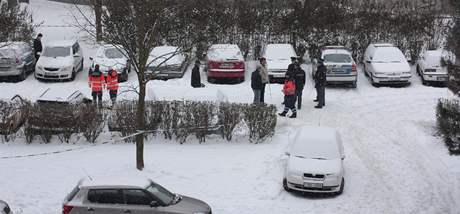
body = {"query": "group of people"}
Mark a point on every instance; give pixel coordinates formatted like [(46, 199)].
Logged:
[(98, 82), (295, 79)]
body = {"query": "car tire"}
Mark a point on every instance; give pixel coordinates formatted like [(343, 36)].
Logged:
[(354, 84), (74, 74), (285, 186), (21, 77), (372, 81), (81, 66), (342, 186), (424, 82)]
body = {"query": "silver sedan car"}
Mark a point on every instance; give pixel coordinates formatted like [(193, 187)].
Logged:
[(138, 195), (16, 60)]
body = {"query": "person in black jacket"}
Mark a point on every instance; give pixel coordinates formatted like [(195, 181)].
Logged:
[(257, 85), (300, 79), (196, 78), (320, 83), (292, 67), (38, 48)]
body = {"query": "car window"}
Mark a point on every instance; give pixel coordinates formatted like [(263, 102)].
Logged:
[(56, 52), (339, 58), (113, 53), (137, 197), (105, 196), (161, 193)]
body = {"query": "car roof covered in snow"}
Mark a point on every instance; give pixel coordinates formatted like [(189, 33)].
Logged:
[(383, 45), (224, 52), (60, 96), (11, 45), (61, 43), (115, 181), (316, 142), (336, 51)]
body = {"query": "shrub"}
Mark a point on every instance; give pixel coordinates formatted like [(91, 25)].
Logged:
[(448, 123)]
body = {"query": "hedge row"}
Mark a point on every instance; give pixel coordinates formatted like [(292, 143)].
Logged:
[(448, 123)]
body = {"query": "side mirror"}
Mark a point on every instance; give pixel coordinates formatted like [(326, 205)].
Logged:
[(91, 58), (287, 154), (368, 61), (154, 204)]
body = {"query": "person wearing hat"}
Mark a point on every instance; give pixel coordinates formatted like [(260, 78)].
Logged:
[(38, 48), (96, 82), (320, 83), (289, 97), (256, 84), (112, 84), (196, 78), (300, 80), (265, 78), (292, 67)]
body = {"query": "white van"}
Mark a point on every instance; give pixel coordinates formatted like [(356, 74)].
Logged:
[(278, 59), (315, 162), (386, 64), (60, 61)]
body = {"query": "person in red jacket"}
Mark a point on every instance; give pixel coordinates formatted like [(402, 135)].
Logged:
[(112, 84), (96, 82), (289, 97)]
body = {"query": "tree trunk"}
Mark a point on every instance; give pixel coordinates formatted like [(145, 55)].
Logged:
[(140, 122), (98, 13)]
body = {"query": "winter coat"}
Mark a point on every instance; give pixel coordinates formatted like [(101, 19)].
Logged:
[(37, 46), (264, 74), (300, 79), (289, 88), (96, 81), (291, 70), (196, 79), (112, 80), (320, 76), (256, 80)]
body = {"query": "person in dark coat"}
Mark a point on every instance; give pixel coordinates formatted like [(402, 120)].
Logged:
[(292, 67), (38, 48), (320, 83), (300, 79), (196, 78), (256, 84)]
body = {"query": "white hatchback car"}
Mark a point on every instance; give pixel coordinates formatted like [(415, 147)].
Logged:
[(278, 58), (60, 61), (315, 162), (386, 64), (109, 56), (430, 67)]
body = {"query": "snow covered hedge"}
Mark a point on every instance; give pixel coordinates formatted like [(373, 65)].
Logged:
[(180, 119), (448, 123)]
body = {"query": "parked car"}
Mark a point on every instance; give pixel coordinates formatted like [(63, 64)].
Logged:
[(278, 59), (341, 68), (225, 61), (167, 62), (108, 56), (315, 162), (16, 60), (4, 208), (386, 64), (60, 61), (432, 68), (12, 115), (134, 195)]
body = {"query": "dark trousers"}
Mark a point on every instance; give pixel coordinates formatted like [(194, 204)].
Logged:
[(262, 93), (113, 95), (298, 94), (321, 94), (289, 103), (97, 97)]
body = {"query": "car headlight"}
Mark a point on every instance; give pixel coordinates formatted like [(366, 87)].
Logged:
[(332, 176), (67, 68), (40, 67), (379, 73), (407, 73)]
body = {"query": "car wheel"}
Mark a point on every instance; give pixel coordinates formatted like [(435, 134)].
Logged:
[(354, 84), (22, 76), (424, 82), (285, 186), (81, 66), (74, 74), (241, 79), (342, 186)]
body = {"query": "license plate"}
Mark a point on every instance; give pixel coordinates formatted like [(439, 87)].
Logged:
[(394, 78), (226, 65), (312, 185), (441, 78), (278, 75)]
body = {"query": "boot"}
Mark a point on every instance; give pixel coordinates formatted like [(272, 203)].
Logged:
[(294, 115), (283, 114), (315, 100), (319, 106)]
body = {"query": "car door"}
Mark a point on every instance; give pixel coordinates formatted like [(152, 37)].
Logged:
[(138, 201), (104, 201), (28, 57)]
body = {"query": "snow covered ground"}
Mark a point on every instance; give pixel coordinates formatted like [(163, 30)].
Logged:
[(394, 163)]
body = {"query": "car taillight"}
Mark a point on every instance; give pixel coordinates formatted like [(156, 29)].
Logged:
[(66, 209), (212, 64), (353, 68), (239, 65)]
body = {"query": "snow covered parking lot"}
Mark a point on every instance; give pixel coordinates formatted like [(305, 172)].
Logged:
[(393, 164)]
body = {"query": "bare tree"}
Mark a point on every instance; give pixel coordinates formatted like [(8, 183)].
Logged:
[(16, 24)]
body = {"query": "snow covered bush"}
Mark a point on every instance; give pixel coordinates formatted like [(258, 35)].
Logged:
[(230, 115), (261, 120), (12, 116), (91, 122), (448, 123)]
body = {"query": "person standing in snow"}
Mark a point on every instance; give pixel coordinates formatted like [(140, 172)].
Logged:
[(38, 48), (112, 84), (300, 79), (265, 78), (320, 83), (96, 82), (196, 78), (292, 67), (256, 84), (289, 97)]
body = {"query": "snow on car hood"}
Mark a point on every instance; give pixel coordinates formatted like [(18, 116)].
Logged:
[(162, 53), (57, 62), (391, 67), (106, 63), (278, 64), (314, 166)]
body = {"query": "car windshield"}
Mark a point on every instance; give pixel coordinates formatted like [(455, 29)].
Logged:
[(339, 58), (113, 53), (315, 149), (388, 55), (279, 53), (56, 52), (165, 196)]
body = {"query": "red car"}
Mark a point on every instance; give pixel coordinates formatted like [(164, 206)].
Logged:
[(225, 61)]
